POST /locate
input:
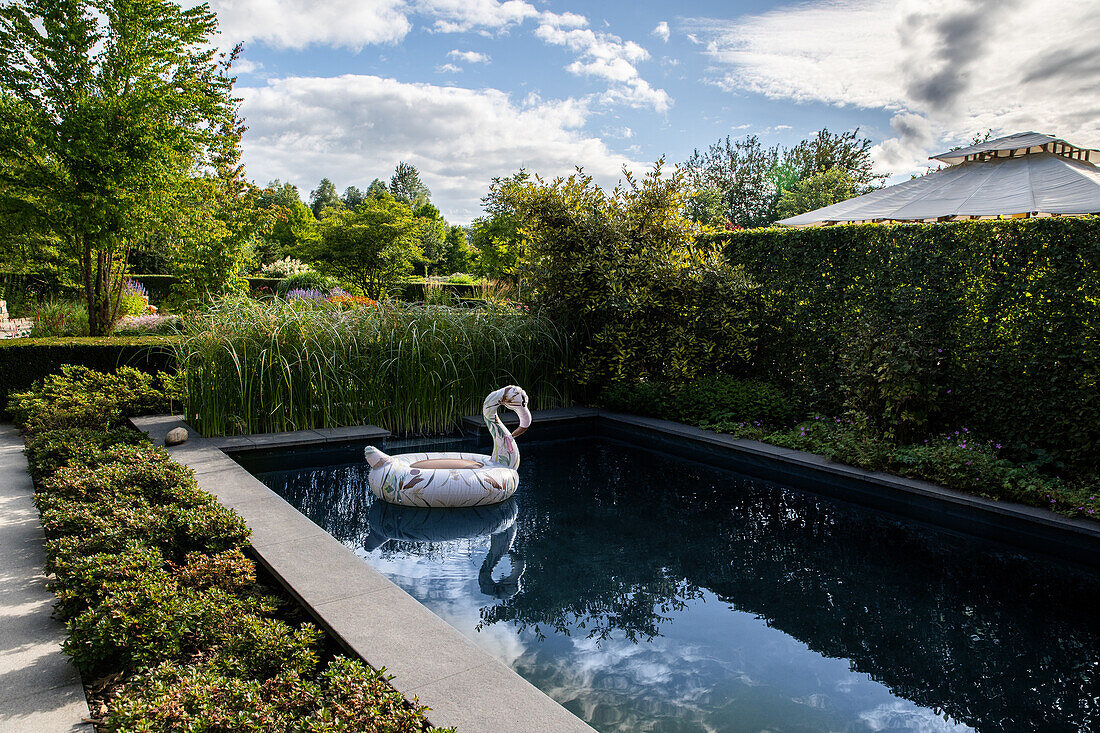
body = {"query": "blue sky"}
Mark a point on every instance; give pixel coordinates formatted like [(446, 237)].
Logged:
[(471, 89)]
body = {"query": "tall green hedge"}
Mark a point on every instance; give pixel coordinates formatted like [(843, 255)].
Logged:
[(989, 325), (24, 361)]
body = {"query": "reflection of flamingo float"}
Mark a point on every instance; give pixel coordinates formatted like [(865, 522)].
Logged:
[(456, 479), (422, 524)]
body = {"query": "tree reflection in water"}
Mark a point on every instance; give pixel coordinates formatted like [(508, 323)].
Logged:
[(617, 540)]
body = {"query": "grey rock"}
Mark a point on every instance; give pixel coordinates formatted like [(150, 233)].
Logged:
[(176, 436)]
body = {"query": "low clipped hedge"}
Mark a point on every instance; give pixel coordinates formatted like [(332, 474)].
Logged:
[(155, 590), (27, 360)]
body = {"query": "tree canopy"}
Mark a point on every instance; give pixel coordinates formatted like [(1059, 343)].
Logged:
[(369, 248), (750, 180), (106, 109)]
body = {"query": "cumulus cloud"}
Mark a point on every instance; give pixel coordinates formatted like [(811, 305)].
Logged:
[(354, 128), (300, 23), (606, 56), (661, 31), (461, 16), (947, 69), (470, 57), (448, 69)]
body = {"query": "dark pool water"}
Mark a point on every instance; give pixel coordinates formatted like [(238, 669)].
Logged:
[(646, 593)]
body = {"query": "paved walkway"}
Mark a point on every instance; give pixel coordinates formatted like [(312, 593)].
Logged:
[(40, 691)]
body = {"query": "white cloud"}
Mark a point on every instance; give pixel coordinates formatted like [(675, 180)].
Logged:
[(606, 56), (461, 16), (354, 128), (299, 23), (947, 69), (448, 69), (470, 57), (661, 31), (622, 133)]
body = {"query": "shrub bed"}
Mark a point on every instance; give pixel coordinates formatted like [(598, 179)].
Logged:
[(27, 360), (958, 460), (165, 617)]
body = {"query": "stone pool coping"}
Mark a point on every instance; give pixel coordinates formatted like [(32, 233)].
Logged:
[(367, 613)]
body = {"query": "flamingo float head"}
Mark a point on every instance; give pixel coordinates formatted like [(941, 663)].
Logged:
[(515, 399)]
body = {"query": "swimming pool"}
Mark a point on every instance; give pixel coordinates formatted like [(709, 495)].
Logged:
[(698, 599)]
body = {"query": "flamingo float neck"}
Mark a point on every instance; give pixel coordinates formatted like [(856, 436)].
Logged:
[(505, 450)]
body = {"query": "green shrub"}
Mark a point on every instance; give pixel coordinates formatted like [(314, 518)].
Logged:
[(152, 620), (82, 398), (346, 697), (308, 280), (109, 523), (149, 575), (141, 469), (55, 317), (230, 571), (53, 449), (707, 401), (260, 648), (82, 581)]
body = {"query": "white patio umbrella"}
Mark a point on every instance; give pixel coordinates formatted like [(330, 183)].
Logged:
[(1021, 175)]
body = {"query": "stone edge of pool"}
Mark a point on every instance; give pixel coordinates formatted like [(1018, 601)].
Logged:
[(367, 613)]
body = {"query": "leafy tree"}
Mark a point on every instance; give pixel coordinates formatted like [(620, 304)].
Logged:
[(214, 258), (742, 171), (458, 257), (292, 223), (627, 272), (323, 197), (820, 189), (106, 108), (433, 234), (826, 150), (703, 205), (406, 186), (377, 187), (496, 237), (370, 248), (352, 197)]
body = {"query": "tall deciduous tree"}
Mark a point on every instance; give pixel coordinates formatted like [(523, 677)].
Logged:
[(369, 248), (107, 107), (820, 189), (406, 186), (826, 150), (323, 197), (742, 171), (500, 245)]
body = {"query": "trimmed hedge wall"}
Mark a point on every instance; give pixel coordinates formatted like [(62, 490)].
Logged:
[(989, 325), (414, 291), (24, 361), (160, 286)]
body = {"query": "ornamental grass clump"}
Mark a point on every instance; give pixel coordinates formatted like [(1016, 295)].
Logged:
[(250, 367)]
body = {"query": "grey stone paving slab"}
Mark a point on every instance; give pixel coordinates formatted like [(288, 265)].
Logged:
[(467, 697), (40, 690)]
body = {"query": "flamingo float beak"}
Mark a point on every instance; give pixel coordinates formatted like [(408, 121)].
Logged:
[(524, 421)]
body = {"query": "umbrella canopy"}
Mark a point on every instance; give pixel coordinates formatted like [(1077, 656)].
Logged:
[(1026, 174)]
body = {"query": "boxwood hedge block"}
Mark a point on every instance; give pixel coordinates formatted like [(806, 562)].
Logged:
[(24, 361)]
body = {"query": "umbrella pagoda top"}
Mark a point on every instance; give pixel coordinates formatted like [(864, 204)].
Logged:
[(1016, 176)]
